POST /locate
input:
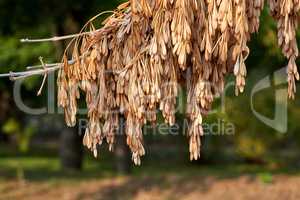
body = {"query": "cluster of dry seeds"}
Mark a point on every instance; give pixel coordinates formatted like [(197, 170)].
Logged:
[(132, 66), (286, 13)]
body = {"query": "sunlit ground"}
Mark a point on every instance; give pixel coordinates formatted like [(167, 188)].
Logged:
[(37, 175)]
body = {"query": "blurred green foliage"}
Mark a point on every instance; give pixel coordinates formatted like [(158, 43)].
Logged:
[(22, 135)]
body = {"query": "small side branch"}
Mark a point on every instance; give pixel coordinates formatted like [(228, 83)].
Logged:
[(35, 70), (56, 38), (20, 75), (45, 77)]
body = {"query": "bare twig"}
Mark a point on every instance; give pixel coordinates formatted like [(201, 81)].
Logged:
[(40, 66), (70, 62), (25, 74), (217, 43), (59, 38), (20, 75), (35, 70), (56, 38), (45, 77)]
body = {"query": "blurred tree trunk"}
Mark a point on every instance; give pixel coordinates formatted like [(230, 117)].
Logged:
[(5, 107), (122, 153), (71, 151)]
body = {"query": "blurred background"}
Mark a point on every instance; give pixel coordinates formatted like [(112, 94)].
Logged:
[(41, 158)]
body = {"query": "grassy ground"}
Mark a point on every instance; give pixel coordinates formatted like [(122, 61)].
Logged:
[(37, 175)]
